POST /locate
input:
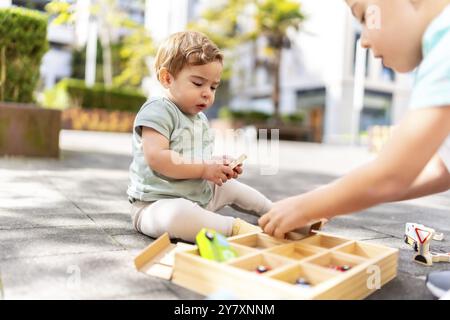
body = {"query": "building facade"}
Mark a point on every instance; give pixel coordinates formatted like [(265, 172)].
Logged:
[(317, 76)]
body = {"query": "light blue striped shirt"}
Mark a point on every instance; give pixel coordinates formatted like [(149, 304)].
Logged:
[(432, 85)]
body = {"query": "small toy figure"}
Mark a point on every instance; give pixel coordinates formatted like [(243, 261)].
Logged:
[(214, 246), (419, 237), (342, 268), (262, 269), (345, 268), (302, 282)]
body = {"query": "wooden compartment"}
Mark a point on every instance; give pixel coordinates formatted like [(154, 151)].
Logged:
[(296, 251), (307, 258), (316, 276), (242, 251), (364, 250), (324, 241), (250, 263), (337, 259), (257, 241)]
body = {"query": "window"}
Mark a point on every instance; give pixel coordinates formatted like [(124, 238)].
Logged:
[(376, 110), (311, 98), (388, 74)]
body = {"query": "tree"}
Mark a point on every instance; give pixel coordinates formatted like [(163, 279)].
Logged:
[(239, 21), (104, 16), (136, 48)]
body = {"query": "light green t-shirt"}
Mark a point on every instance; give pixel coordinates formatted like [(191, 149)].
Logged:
[(188, 135), (432, 86)]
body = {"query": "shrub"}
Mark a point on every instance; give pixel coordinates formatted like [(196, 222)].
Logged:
[(252, 116), (23, 42), (74, 93)]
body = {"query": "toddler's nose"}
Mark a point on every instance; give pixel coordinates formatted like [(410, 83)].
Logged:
[(365, 42)]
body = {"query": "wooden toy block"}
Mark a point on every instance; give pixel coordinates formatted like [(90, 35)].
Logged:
[(317, 266), (237, 161), (158, 258), (306, 230)]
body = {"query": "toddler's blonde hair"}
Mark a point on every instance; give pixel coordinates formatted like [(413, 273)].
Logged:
[(186, 48)]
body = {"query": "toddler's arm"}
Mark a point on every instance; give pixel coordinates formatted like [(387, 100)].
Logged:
[(170, 163)]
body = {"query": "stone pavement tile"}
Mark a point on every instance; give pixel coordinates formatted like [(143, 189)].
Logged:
[(154, 295), (406, 265), (403, 287), (20, 243), (103, 275), (183, 293), (101, 183), (30, 193), (16, 218), (134, 243), (92, 206), (113, 223), (340, 227), (285, 183)]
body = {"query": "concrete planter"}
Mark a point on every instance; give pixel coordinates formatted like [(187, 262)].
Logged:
[(26, 130)]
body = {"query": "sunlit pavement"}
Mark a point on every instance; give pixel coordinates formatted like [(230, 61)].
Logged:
[(65, 230)]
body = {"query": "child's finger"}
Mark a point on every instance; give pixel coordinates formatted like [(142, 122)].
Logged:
[(227, 170), (277, 233), (224, 178), (270, 228), (263, 220), (238, 170)]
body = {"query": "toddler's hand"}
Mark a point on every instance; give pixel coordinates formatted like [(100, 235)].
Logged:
[(237, 170), (226, 160), (217, 173)]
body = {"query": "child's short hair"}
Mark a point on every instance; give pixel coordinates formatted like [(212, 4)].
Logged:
[(186, 48)]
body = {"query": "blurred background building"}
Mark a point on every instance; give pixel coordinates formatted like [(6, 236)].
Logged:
[(317, 71), (318, 76)]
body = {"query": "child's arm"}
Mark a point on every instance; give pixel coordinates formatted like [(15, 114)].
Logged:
[(387, 178), (433, 179), (170, 163)]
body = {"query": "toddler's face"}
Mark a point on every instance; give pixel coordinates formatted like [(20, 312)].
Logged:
[(194, 88), (393, 29)]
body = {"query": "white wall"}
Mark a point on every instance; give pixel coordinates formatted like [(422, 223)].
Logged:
[(5, 3)]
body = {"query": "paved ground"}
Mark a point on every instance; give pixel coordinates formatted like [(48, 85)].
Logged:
[(67, 220)]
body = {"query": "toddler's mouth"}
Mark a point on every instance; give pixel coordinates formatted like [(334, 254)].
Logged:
[(201, 106)]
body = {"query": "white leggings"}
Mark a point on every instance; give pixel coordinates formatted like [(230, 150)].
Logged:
[(183, 219)]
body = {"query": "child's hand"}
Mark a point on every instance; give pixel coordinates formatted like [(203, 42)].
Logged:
[(286, 215), (217, 173), (226, 160)]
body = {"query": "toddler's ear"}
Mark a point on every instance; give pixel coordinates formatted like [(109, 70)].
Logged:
[(165, 77)]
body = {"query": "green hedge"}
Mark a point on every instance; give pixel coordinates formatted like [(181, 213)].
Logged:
[(23, 42), (253, 116), (73, 92)]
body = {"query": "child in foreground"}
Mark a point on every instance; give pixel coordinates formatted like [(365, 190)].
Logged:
[(416, 160)]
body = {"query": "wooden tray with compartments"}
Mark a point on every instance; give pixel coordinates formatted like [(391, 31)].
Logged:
[(310, 258)]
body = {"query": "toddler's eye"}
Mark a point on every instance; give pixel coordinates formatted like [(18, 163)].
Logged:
[(213, 88), (197, 84)]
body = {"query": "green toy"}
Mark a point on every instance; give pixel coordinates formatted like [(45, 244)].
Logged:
[(214, 246)]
